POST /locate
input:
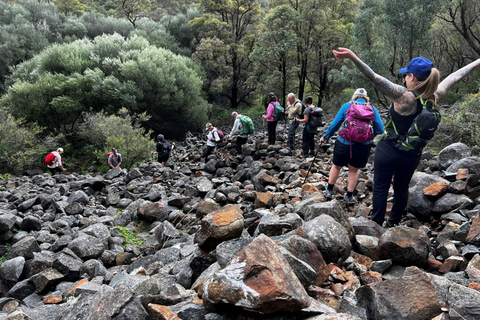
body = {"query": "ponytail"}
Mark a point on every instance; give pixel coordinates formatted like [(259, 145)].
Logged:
[(428, 86)]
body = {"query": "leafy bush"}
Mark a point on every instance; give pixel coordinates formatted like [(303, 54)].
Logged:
[(102, 133), (20, 147), (57, 87), (460, 123)]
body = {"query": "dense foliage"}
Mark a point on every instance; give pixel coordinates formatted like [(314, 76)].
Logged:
[(64, 81), (65, 63)]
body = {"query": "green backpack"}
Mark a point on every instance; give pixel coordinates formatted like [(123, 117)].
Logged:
[(247, 125), (279, 112)]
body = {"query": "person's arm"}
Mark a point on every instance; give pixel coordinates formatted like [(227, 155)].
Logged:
[(119, 160), (270, 111), (59, 161), (453, 78), (216, 137), (110, 161), (296, 109), (337, 122), (404, 100), (236, 127)]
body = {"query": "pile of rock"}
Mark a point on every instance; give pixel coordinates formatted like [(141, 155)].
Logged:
[(240, 237)]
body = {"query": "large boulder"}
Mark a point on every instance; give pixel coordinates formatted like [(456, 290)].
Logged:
[(406, 298), (333, 209), (329, 236), (221, 225), (470, 163), (418, 203), (405, 246), (452, 153), (259, 279)]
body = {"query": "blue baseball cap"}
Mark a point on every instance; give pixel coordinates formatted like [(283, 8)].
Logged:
[(420, 66)]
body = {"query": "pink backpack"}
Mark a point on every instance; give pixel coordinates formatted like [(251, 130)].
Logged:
[(359, 123)]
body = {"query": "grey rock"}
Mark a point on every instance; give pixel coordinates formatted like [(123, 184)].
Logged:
[(132, 175), (189, 310), (470, 163), (7, 221), (68, 264), (329, 236), (133, 310), (74, 208), (277, 224), (46, 280), (226, 250), (333, 209), (93, 268), (87, 247), (12, 269), (78, 196), (450, 202), (98, 230), (464, 302), (451, 154), (113, 173), (21, 290), (24, 248)]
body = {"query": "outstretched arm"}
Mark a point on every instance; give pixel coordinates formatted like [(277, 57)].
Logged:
[(388, 88), (453, 78)]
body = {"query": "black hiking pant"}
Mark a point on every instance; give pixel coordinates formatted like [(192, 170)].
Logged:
[(390, 162), (272, 131)]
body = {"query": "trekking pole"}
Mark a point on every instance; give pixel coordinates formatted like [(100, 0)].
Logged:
[(313, 161)]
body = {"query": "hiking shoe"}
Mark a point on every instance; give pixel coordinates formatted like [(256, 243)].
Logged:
[(312, 153), (328, 193), (347, 198), (387, 224)]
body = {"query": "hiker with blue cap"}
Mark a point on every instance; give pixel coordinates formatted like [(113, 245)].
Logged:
[(395, 156)]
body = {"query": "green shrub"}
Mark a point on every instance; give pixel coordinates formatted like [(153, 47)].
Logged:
[(102, 132)]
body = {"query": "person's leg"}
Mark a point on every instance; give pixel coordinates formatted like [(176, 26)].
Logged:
[(274, 136), (271, 132), (352, 178), (208, 152), (334, 174), (384, 168), (305, 141), (291, 134), (238, 145), (312, 143), (401, 180)]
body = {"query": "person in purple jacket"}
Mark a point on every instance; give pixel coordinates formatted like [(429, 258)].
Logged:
[(355, 157), (272, 100)]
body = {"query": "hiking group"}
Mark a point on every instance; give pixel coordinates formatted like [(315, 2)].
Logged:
[(413, 117)]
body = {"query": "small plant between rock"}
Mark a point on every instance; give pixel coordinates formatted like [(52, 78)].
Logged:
[(129, 236)]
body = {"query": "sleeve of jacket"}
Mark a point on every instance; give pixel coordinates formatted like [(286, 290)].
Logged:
[(337, 122), (236, 127)]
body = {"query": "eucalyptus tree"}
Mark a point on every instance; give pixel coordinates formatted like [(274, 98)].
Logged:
[(389, 33), (464, 17), (228, 34), (274, 53)]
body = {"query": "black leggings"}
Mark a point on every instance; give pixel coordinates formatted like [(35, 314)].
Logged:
[(391, 162), (272, 131), (208, 152)]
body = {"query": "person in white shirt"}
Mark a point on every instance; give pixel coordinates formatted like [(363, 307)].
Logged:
[(212, 139), (57, 166), (237, 130)]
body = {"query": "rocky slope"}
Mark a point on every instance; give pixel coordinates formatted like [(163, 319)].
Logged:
[(239, 238)]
